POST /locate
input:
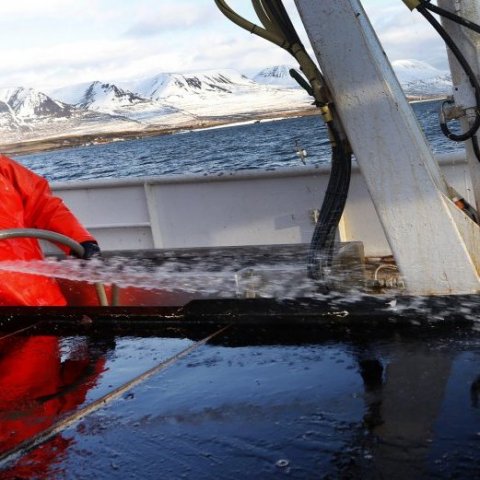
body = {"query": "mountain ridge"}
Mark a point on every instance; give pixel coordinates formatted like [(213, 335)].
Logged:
[(172, 101)]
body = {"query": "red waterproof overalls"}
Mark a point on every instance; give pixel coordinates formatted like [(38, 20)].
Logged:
[(27, 202)]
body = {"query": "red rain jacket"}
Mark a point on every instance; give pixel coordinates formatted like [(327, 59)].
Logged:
[(27, 202)]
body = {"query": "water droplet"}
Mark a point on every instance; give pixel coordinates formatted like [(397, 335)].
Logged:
[(282, 463)]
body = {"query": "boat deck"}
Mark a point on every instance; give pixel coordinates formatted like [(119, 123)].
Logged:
[(238, 382), (251, 401)]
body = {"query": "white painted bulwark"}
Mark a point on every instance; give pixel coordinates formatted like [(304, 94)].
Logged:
[(400, 172), (245, 208)]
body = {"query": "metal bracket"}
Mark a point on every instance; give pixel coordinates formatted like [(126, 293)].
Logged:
[(412, 4)]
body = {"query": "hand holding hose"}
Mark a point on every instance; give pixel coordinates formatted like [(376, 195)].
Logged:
[(90, 250)]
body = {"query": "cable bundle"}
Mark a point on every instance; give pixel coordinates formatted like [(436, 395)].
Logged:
[(278, 29)]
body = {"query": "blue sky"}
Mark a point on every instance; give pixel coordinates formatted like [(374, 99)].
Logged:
[(59, 42)]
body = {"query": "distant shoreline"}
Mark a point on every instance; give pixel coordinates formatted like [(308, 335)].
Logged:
[(72, 141)]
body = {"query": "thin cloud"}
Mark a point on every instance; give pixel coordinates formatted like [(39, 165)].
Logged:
[(66, 41), (405, 34), (169, 18)]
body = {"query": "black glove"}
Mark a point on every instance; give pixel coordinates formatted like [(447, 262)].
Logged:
[(91, 249)]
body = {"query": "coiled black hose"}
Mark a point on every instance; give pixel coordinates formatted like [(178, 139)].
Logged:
[(424, 8)]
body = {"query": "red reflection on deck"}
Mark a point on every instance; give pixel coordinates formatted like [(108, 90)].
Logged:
[(36, 389)]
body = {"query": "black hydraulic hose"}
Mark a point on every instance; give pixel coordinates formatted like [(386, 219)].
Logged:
[(301, 81), (273, 33), (280, 30), (451, 16), (269, 35), (278, 12), (321, 252), (265, 18), (476, 147), (469, 72)]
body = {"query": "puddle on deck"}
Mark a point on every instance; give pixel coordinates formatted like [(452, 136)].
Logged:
[(252, 402)]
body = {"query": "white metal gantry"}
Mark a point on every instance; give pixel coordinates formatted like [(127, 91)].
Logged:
[(435, 244)]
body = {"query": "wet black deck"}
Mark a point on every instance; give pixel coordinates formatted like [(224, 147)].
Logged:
[(294, 401)]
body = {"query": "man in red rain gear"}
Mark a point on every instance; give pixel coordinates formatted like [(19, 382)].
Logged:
[(27, 202)]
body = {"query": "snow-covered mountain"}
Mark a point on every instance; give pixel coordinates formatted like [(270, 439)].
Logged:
[(100, 94), (157, 88), (421, 79), (22, 109), (110, 99), (278, 75), (174, 100), (27, 114), (217, 92), (8, 120), (418, 79), (213, 82), (27, 103)]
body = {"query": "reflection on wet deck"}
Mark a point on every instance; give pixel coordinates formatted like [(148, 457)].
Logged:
[(253, 402)]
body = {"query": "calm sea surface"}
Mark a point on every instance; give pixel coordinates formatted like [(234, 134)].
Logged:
[(253, 146)]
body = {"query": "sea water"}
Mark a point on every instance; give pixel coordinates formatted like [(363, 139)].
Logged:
[(264, 145)]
